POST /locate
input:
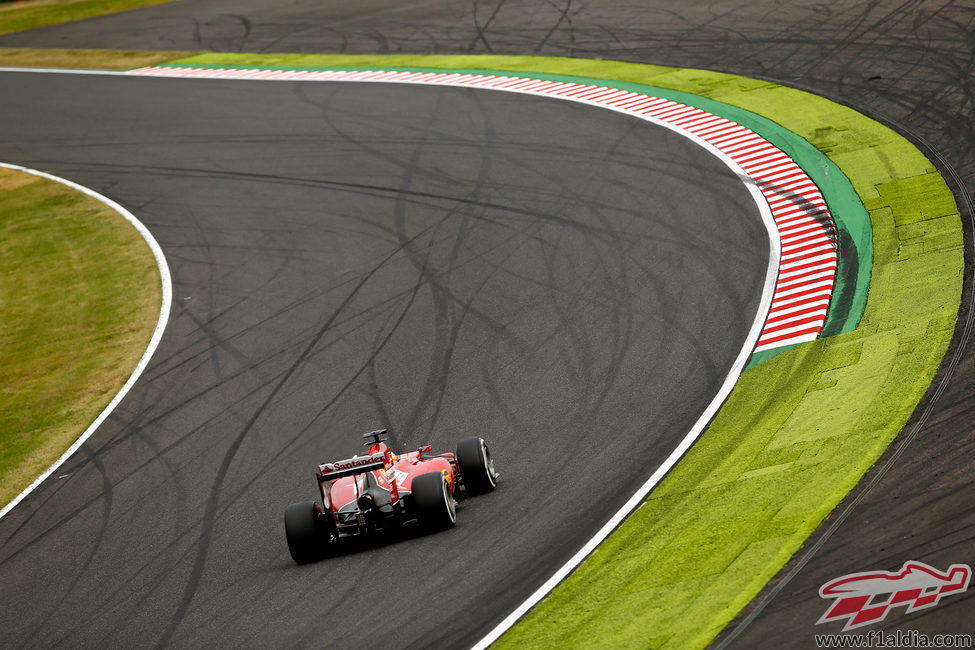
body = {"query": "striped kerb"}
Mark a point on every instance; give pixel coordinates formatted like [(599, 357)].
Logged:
[(808, 235)]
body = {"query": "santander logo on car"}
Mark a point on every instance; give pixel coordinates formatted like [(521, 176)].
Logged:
[(352, 463)]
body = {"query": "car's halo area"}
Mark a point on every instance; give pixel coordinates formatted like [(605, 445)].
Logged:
[(568, 283)]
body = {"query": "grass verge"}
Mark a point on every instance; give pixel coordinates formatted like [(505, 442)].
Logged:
[(80, 295), (84, 59), (31, 14), (799, 430)]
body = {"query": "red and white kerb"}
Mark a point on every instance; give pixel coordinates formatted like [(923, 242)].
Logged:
[(807, 232)]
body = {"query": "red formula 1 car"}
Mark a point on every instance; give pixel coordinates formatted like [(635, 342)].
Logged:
[(382, 490)]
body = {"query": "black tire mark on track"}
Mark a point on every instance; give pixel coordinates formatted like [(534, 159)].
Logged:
[(209, 515)]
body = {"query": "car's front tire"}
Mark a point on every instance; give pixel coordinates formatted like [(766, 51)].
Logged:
[(433, 502), (305, 531), (476, 467)]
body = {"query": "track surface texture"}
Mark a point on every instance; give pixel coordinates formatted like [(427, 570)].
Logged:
[(551, 276), (909, 64)]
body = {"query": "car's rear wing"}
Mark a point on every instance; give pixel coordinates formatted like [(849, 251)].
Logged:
[(351, 467)]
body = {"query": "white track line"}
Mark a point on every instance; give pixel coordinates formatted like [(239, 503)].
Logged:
[(167, 299)]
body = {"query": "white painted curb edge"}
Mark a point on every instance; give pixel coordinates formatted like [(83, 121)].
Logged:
[(167, 299)]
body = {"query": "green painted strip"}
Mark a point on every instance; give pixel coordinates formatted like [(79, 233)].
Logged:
[(799, 430)]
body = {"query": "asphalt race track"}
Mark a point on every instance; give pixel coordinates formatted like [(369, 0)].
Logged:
[(569, 283), (907, 63)]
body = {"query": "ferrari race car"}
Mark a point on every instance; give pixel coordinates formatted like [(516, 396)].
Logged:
[(383, 490)]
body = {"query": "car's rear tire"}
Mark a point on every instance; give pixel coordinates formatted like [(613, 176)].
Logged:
[(433, 502), (476, 467), (306, 533)]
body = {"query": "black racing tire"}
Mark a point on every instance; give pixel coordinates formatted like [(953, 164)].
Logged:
[(476, 467), (433, 502), (306, 532)]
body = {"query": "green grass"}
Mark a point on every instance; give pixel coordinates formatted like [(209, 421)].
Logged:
[(799, 430), (80, 295), (91, 59), (31, 14)]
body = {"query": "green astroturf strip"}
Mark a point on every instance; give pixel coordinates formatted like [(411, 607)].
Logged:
[(800, 429)]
